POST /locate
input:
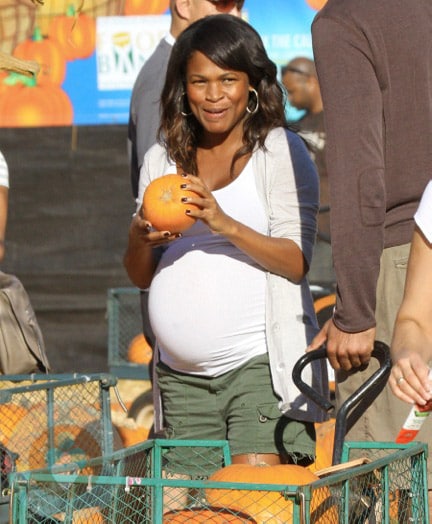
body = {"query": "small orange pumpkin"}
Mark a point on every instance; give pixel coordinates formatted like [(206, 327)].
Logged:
[(210, 515), (269, 506), (139, 350), (163, 207)]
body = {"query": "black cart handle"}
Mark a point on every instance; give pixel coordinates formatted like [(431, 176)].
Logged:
[(381, 352)]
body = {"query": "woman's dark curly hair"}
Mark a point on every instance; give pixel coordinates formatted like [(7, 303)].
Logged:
[(231, 43)]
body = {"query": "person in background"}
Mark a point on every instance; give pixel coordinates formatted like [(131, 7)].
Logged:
[(4, 194), (144, 113), (369, 55), (301, 82), (412, 338), (229, 302)]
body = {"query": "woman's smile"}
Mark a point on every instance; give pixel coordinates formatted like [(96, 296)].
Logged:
[(215, 113)]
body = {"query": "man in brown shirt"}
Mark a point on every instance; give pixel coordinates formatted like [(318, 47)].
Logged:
[(373, 60)]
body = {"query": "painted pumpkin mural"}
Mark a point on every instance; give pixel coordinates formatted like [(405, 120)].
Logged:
[(75, 33), (24, 103), (34, 28), (145, 7), (47, 53)]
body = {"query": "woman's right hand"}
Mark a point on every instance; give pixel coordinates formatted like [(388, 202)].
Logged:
[(140, 259), (142, 228)]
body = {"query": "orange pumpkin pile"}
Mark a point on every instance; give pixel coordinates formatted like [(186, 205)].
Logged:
[(163, 207), (269, 506)]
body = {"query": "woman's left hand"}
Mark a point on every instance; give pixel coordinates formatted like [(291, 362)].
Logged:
[(208, 209), (278, 255)]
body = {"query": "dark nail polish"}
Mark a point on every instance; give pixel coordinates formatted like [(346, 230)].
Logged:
[(184, 199), (187, 211), (166, 234), (183, 186), (184, 174)]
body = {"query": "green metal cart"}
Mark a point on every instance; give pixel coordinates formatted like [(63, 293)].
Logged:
[(374, 483), (134, 486), (49, 419)]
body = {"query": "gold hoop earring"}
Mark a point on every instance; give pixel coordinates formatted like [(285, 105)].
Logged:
[(255, 109), (182, 102)]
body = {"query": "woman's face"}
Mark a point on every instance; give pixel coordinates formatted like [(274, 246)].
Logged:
[(217, 97)]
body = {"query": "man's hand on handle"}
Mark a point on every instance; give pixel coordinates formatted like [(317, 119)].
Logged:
[(345, 350)]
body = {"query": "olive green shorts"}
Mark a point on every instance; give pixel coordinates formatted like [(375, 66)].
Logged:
[(239, 406)]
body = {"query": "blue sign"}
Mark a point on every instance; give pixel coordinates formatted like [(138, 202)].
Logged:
[(99, 86)]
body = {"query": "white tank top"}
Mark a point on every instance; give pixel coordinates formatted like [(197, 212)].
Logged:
[(207, 298)]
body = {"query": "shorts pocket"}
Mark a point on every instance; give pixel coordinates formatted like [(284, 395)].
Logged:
[(268, 413)]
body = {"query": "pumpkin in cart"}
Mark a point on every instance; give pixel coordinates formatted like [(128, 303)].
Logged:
[(209, 515), (267, 506), (325, 432), (90, 515), (72, 443), (163, 207), (10, 415), (131, 433)]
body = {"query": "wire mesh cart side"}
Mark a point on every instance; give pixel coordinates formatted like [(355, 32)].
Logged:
[(134, 485), (55, 419), (129, 486), (124, 325)]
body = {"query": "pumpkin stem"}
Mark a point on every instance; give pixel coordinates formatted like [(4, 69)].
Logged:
[(37, 35), (70, 11), (16, 78)]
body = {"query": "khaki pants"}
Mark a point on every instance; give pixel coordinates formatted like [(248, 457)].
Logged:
[(384, 418)]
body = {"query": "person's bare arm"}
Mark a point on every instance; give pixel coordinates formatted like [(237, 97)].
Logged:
[(411, 346)]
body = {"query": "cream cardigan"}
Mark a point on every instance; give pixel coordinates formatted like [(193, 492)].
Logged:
[(288, 185)]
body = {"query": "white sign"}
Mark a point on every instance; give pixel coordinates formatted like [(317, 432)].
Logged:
[(123, 44)]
